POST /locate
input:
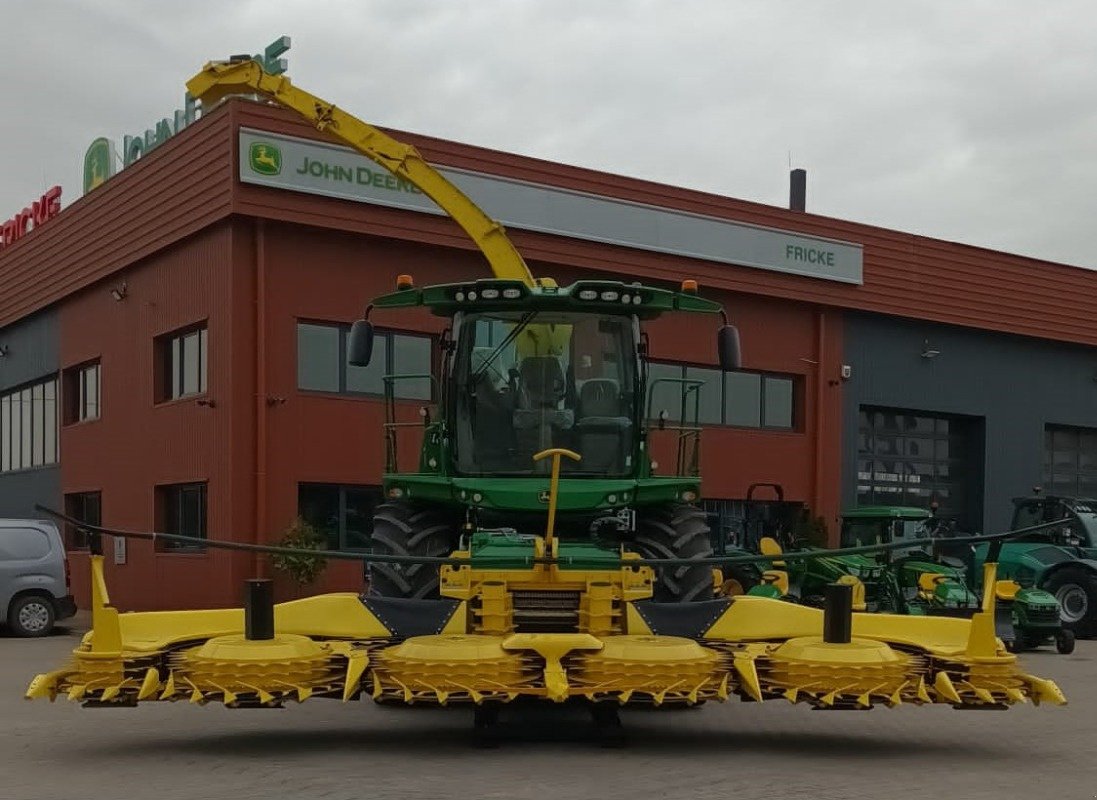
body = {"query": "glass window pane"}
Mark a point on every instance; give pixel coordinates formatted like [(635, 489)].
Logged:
[(318, 505), (411, 356), (89, 392), (1064, 439), (50, 405), (16, 414), (743, 399), (360, 503), (38, 432), (203, 357), (191, 364), (5, 434), (175, 367), (1065, 459), (778, 402), (368, 379), (192, 511), (710, 393), (318, 357), (864, 442), (915, 424), (666, 395), (887, 445), (27, 428), (918, 448)]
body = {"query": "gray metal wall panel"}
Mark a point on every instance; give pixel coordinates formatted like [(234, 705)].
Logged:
[(33, 348), (33, 352), (21, 491), (1016, 384)]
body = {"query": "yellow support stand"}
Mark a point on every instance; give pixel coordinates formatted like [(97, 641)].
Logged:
[(554, 486)]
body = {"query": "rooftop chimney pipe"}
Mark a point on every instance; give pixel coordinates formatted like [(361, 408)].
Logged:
[(798, 189)]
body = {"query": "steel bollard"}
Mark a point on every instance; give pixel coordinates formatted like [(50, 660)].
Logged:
[(259, 609), (838, 613)]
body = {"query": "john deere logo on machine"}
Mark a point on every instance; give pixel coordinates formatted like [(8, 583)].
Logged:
[(266, 159)]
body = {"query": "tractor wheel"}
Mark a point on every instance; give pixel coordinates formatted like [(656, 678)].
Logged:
[(678, 531), (1064, 642), (404, 530), (1076, 590)]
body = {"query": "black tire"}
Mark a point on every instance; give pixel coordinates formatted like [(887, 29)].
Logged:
[(31, 615), (1075, 588), (404, 530), (1064, 642), (677, 531)]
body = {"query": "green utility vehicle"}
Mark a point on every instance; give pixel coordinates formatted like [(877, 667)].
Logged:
[(525, 368), (1069, 570), (932, 583)]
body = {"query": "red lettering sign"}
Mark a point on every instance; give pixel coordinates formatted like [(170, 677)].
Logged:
[(37, 213)]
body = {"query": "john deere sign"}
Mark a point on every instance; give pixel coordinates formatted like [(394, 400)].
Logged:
[(99, 161), (303, 165), (98, 164)]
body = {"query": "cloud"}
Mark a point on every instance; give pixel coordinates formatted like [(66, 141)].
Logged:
[(972, 122)]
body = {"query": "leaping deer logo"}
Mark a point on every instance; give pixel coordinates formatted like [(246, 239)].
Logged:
[(266, 159)]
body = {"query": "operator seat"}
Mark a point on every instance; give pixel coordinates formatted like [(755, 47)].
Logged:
[(603, 429), (541, 389)]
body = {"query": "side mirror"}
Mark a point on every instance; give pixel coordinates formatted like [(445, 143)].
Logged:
[(360, 344), (727, 345)]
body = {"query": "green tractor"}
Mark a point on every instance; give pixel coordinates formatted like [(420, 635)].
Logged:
[(1069, 569), (918, 582), (524, 369)]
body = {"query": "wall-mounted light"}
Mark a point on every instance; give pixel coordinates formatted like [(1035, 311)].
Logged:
[(929, 352), (119, 292)]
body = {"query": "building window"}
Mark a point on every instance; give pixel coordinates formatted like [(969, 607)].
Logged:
[(182, 358), (1070, 461), (28, 426), (739, 399), (81, 393), (322, 362), (181, 510), (86, 507), (342, 514)]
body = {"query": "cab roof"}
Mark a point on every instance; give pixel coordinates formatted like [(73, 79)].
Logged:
[(596, 296)]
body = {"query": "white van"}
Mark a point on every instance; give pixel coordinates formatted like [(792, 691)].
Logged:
[(34, 576)]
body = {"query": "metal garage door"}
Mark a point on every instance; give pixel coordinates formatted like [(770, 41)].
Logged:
[(1070, 461), (914, 459)]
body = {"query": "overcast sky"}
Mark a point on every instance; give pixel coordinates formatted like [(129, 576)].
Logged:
[(969, 121)]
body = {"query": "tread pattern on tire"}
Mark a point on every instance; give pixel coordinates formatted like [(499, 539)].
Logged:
[(677, 531), (402, 529), (1087, 580)]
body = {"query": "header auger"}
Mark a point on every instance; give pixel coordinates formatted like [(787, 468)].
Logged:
[(535, 553)]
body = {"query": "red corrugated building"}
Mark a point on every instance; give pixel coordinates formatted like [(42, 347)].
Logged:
[(169, 309)]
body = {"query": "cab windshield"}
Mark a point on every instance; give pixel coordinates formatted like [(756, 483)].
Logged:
[(525, 382)]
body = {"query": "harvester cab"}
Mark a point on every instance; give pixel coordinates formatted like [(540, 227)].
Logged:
[(529, 367)]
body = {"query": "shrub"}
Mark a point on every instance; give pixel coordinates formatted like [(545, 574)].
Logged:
[(302, 568)]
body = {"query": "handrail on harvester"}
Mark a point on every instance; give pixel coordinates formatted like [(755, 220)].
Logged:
[(220, 79), (382, 558)]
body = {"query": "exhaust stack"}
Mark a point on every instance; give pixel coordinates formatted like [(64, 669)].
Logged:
[(798, 189)]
